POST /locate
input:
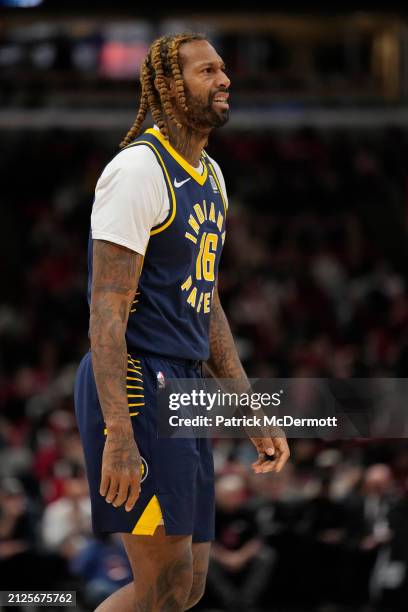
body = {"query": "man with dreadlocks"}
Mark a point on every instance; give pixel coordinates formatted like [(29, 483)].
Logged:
[(157, 230)]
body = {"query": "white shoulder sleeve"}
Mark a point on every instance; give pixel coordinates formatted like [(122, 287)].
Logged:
[(130, 198), (220, 178)]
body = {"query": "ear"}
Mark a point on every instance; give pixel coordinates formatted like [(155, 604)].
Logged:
[(171, 87)]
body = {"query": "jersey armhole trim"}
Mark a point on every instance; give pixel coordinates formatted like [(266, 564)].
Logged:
[(156, 229), (213, 172)]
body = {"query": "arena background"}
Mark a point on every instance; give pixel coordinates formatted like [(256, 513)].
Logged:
[(313, 279)]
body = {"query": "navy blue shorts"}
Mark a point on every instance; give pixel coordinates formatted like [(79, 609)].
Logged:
[(177, 487)]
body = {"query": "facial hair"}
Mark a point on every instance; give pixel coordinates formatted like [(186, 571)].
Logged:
[(201, 113)]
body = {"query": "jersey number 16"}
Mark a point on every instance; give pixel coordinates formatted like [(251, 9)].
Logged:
[(206, 256)]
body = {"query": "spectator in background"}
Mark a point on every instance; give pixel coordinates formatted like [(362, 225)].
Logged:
[(20, 551), (241, 563), (368, 530), (389, 580), (17, 535), (70, 515), (314, 279), (323, 530), (101, 563)]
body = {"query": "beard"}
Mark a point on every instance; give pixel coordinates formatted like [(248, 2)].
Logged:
[(201, 113)]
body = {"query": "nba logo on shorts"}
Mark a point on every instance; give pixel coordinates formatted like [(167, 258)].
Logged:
[(161, 381)]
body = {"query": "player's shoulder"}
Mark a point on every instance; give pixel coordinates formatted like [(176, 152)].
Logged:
[(130, 166), (135, 157)]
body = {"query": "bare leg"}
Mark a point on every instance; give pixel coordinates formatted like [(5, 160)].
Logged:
[(162, 571), (126, 598), (123, 599)]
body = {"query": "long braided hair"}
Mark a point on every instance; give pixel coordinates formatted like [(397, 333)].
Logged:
[(161, 61)]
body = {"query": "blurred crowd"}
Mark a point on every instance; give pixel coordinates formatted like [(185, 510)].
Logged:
[(313, 279)]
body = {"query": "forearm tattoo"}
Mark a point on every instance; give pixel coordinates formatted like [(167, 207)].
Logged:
[(116, 272), (224, 361)]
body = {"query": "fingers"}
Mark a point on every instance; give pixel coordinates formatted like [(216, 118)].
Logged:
[(265, 465), (104, 486), (133, 493), (281, 461), (257, 465), (268, 445), (270, 466), (266, 449), (113, 489), (122, 493), (284, 453), (117, 491), (281, 455)]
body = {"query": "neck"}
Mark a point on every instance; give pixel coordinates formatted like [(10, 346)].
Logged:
[(187, 141)]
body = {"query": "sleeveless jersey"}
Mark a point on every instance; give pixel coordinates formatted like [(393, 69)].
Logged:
[(170, 313)]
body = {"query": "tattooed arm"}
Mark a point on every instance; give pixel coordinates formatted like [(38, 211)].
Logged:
[(224, 362), (116, 272)]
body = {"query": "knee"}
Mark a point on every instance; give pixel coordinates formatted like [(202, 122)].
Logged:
[(164, 595), (173, 589), (197, 589)]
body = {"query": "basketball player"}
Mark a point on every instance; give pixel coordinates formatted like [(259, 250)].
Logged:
[(157, 230)]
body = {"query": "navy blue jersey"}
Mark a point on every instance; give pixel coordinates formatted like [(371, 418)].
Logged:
[(171, 311)]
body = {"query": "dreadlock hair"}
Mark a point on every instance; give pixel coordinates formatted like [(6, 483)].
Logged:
[(161, 61)]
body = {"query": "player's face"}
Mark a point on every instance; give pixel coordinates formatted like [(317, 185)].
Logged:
[(206, 85)]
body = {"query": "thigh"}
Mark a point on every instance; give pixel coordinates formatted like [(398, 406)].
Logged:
[(162, 568), (168, 485)]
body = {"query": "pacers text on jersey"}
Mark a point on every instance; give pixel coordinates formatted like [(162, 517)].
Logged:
[(207, 243)]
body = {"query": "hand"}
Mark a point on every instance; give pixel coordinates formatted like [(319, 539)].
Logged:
[(121, 469), (276, 447)]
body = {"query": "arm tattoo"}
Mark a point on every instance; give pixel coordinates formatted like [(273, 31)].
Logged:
[(116, 272), (224, 361)]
